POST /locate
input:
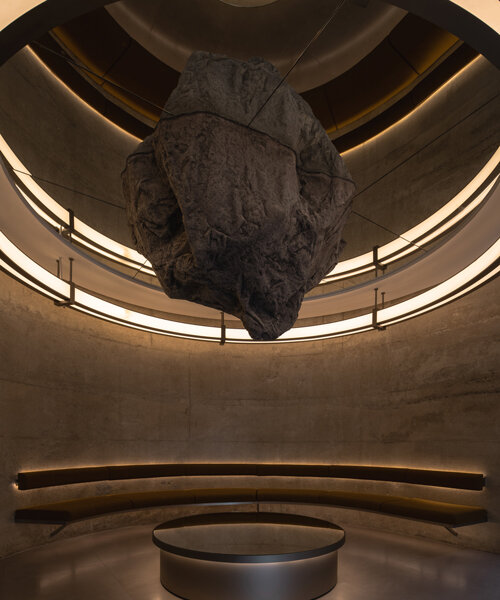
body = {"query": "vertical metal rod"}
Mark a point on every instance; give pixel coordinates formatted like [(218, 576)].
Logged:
[(378, 265), (71, 284), (71, 300), (375, 324), (68, 231), (383, 299), (222, 330)]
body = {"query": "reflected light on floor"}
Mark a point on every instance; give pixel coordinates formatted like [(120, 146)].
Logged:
[(373, 565)]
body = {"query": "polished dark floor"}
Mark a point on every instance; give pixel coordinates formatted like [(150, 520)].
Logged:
[(124, 565)]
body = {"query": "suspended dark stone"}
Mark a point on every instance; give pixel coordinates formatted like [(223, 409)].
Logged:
[(241, 219)]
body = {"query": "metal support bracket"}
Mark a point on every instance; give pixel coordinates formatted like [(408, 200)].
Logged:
[(378, 265), (375, 323), (71, 300), (67, 232), (222, 330), (58, 530)]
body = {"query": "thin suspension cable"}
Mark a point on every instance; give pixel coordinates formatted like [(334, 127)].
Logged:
[(78, 65), (297, 60), (299, 57), (427, 145), (409, 158), (139, 269), (389, 230), (69, 189), (123, 208)]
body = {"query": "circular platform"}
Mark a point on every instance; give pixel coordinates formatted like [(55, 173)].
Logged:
[(249, 556)]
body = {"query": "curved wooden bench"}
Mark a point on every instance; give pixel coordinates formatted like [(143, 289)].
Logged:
[(441, 513), (28, 480)]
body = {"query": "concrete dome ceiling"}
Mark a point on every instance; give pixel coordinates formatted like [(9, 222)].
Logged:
[(276, 31)]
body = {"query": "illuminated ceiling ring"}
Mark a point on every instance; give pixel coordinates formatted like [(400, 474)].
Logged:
[(485, 266), (480, 269), (411, 241)]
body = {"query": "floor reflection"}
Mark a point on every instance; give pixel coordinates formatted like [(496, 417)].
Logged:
[(124, 565)]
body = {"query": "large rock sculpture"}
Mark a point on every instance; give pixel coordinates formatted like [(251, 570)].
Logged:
[(244, 219)]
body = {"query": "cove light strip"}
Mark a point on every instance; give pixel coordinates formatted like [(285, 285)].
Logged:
[(469, 198), (59, 218), (22, 267)]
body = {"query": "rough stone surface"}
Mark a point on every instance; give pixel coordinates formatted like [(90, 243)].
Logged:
[(242, 219)]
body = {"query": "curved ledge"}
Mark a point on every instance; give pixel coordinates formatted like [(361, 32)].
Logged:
[(409, 242), (430, 511), (475, 249), (30, 19), (29, 480)]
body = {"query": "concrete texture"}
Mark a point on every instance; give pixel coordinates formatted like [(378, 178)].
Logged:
[(173, 31), (404, 175), (76, 391), (401, 177), (62, 140), (243, 220)]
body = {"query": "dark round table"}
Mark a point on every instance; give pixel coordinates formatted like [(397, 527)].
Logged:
[(248, 556)]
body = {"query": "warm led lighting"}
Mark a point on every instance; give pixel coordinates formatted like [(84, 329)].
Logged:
[(467, 210), (24, 268), (79, 99), (473, 286), (11, 10), (25, 176), (408, 115), (30, 267), (443, 293), (440, 216), (94, 240), (101, 241), (426, 231), (147, 321), (487, 11), (360, 264), (18, 275), (37, 209)]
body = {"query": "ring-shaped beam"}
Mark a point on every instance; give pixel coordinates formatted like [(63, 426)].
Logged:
[(22, 21), (480, 236)]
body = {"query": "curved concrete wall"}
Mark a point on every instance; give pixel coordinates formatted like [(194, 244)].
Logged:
[(76, 391), (402, 176)]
